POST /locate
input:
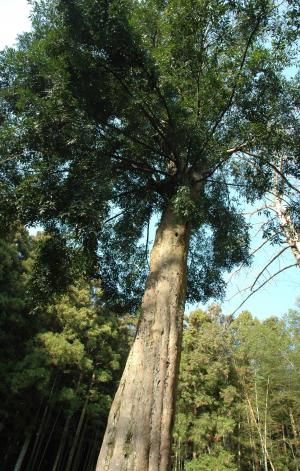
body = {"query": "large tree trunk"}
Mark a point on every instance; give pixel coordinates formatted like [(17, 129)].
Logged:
[(138, 434)]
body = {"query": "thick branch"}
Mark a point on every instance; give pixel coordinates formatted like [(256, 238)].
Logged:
[(152, 118), (136, 166), (135, 139), (229, 153)]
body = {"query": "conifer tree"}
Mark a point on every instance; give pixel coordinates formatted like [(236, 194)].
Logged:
[(208, 409), (16, 327), (238, 393), (61, 359)]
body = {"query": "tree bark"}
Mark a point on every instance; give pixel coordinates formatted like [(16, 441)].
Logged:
[(289, 230), (292, 235), (256, 422), (80, 449), (50, 434), (138, 434), (39, 438)]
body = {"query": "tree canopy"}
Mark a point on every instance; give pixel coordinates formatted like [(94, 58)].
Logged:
[(110, 110)]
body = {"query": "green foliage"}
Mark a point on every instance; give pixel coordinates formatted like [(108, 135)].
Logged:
[(125, 107), (59, 355), (238, 390), (53, 270), (184, 204), (208, 392), (65, 357), (109, 113), (16, 322), (220, 460)]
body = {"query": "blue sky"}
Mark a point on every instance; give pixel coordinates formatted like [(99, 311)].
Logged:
[(277, 296)]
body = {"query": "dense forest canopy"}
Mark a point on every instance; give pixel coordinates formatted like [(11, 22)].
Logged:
[(113, 112)]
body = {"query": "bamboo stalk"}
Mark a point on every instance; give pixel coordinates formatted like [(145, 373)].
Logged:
[(23, 452)]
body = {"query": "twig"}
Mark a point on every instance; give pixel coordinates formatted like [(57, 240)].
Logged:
[(152, 118), (134, 139), (268, 264), (263, 284), (113, 217), (135, 164), (274, 168), (234, 88), (251, 255)]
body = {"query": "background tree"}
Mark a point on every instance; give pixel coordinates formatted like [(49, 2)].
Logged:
[(208, 406), (17, 325), (61, 359), (272, 172), (268, 388), (238, 394)]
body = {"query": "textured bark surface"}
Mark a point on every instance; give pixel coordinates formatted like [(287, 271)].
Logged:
[(291, 233), (138, 434)]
